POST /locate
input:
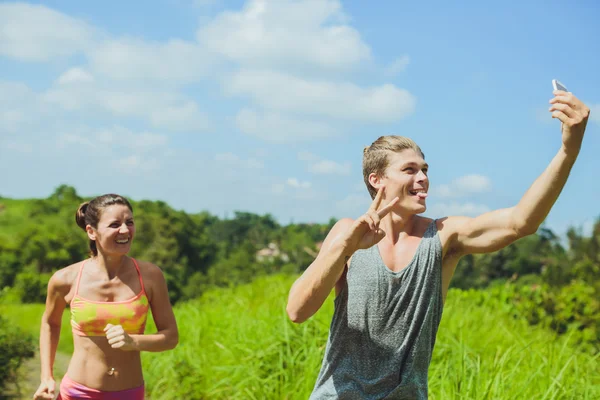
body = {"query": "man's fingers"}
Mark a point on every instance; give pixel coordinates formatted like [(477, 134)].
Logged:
[(385, 210), (375, 218), (370, 222), (566, 98), (565, 108), (377, 200), (561, 116)]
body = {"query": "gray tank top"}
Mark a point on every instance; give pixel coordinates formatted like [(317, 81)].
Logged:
[(384, 326)]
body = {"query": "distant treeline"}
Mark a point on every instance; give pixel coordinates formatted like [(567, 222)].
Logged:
[(551, 284), (195, 251)]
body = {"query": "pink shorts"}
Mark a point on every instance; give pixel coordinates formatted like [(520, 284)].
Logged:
[(71, 390)]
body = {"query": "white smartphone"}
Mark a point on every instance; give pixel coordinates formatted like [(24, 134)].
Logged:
[(558, 86)]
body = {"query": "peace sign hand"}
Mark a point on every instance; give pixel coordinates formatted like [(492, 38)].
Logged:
[(365, 232)]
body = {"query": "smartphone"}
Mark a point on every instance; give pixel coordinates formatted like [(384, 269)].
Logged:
[(558, 86)]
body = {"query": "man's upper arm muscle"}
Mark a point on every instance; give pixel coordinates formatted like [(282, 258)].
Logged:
[(486, 233)]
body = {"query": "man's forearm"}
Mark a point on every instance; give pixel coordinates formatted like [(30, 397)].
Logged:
[(310, 291), (535, 205)]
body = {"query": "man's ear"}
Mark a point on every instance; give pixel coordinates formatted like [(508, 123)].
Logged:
[(90, 232), (375, 181)]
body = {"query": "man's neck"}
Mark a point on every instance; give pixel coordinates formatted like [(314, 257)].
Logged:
[(398, 226)]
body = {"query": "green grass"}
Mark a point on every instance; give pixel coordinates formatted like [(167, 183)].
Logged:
[(239, 344), (29, 316)]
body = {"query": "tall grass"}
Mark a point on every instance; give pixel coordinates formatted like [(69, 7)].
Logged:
[(239, 344), (28, 317)]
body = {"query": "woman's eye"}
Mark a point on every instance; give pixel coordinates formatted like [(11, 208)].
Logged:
[(129, 223)]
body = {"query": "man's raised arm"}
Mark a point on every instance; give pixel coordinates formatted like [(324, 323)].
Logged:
[(497, 229)]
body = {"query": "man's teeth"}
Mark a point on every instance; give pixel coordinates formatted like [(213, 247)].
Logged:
[(123, 241)]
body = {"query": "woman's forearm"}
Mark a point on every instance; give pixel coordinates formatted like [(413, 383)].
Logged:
[(49, 337), (160, 341)]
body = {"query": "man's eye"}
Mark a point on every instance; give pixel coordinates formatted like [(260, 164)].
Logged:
[(129, 223)]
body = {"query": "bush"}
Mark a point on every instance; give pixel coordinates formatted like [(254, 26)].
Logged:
[(32, 287), (15, 347)]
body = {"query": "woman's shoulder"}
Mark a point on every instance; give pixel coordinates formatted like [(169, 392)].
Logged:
[(148, 269), (65, 278)]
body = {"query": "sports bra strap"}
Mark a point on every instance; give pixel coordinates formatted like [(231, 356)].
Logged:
[(137, 268), (79, 277), (139, 274)]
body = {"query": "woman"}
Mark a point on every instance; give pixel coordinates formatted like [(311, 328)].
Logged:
[(109, 295)]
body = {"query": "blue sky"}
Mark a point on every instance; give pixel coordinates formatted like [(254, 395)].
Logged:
[(265, 106)]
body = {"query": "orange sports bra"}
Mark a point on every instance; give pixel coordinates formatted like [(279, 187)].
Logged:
[(89, 318)]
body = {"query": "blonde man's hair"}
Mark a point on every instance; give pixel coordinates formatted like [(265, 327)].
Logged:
[(376, 160)]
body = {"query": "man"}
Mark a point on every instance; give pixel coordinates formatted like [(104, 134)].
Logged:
[(391, 268)]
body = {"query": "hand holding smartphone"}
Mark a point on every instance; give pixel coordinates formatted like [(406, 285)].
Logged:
[(558, 86)]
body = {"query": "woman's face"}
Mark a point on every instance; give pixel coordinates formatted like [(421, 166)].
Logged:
[(115, 230)]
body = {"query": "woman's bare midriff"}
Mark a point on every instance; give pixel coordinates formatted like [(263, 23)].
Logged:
[(97, 365)]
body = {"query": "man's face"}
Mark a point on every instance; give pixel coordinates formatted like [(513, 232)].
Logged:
[(406, 177)]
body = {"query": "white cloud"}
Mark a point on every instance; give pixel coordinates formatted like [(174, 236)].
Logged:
[(143, 141), (236, 162), (438, 210), (293, 182), (175, 61), (186, 117), (307, 156), (320, 166), (162, 109), (75, 75), (16, 146), (328, 167), (286, 33), (37, 33), (278, 188), (278, 91), (13, 93), (204, 3), (67, 139), (111, 138), (464, 186), (397, 66), (353, 205), (10, 121), (276, 127), (119, 102), (227, 157), (136, 164)]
